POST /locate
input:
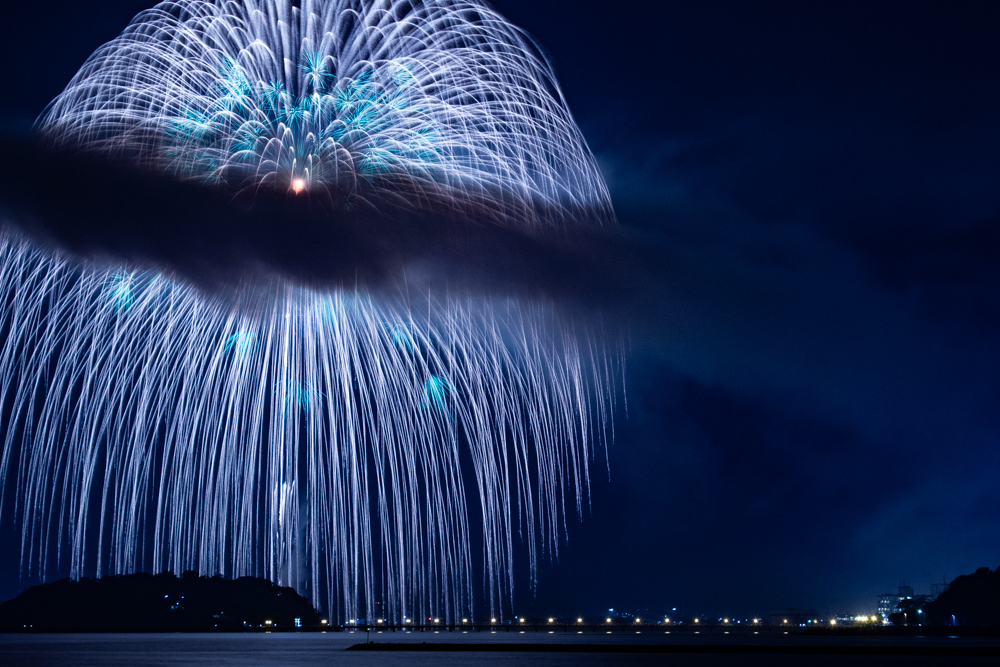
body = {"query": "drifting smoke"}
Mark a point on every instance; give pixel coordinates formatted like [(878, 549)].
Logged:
[(166, 405)]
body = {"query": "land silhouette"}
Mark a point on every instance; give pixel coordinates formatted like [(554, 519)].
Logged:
[(192, 603), (157, 603), (971, 599)]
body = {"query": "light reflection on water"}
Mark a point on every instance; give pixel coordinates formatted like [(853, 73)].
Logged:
[(315, 649)]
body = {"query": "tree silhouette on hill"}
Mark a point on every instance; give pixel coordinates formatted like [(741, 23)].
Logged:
[(971, 599), (163, 602)]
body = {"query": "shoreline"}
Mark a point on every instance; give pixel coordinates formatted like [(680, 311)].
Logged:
[(715, 649)]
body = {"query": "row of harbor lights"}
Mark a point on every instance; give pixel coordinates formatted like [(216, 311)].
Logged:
[(520, 620), (464, 620), (609, 620), (666, 620)]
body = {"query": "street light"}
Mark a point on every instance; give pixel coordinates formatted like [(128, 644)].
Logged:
[(551, 619), (609, 620), (579, 620)]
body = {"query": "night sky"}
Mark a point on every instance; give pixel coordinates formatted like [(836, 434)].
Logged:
[(813, 384)]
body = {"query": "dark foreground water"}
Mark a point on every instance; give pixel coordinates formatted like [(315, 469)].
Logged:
[(326, 649)]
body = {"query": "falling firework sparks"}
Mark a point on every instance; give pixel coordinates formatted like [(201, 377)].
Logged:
[(322, 438)]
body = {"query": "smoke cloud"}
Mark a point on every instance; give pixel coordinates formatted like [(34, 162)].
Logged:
[(103, 210)]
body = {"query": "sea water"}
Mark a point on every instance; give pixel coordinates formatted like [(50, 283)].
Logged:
[(328, 649)]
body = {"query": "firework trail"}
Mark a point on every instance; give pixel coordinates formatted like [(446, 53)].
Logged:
[(337, 440)]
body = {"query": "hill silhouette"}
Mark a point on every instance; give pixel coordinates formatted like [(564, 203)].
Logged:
[(157, 603), (971, 599)]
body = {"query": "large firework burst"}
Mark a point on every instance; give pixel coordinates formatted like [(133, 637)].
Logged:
[(326, 438)]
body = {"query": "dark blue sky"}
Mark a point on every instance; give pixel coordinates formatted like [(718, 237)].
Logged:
[(814, 398), (814, 381)]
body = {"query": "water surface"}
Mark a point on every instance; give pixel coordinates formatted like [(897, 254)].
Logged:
[(326, 649)]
